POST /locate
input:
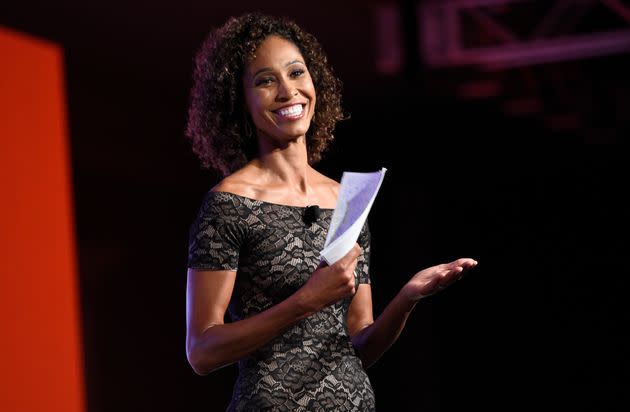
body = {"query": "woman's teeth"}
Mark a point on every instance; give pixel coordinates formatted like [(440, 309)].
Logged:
[(291, 111)]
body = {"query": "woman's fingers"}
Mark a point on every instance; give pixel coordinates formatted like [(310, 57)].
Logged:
[(457, 270), (350, 257)]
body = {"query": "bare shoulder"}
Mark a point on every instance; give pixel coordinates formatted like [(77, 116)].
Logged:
[(328, 183), (236, 183), (327, 189)]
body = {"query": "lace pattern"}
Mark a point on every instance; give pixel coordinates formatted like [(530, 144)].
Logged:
[(312, 366)]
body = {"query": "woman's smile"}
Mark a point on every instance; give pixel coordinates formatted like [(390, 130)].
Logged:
[(289, 113)]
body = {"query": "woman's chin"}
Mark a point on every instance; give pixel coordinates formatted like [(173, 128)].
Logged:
[(290, 135)]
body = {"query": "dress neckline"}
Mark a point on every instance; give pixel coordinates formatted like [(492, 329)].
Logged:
[(266, 202)]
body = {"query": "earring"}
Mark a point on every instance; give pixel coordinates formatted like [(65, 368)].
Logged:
[(247, 129)]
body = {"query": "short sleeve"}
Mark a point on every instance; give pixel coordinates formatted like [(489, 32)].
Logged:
[(363, 262), (215, 236)]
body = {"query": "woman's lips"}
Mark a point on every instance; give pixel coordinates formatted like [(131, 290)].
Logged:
[(293, 112)]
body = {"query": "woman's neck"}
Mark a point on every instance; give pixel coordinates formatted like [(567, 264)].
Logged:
[(287, 166)]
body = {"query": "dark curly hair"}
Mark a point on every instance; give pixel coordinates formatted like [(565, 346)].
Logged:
[(219, 128)]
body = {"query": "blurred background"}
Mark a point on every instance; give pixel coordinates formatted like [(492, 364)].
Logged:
[(473, 106)]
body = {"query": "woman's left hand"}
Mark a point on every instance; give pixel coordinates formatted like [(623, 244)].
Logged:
[(436, 278)]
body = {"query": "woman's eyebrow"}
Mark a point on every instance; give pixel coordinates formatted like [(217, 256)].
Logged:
[(269, 69)]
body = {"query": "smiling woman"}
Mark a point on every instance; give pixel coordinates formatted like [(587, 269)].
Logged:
[(221, 132), (263, 108), (279, 94)]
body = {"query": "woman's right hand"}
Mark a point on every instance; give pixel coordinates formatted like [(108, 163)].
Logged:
[(329, 284)]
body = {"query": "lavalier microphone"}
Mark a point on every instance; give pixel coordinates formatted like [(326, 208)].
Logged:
[(311, 214)]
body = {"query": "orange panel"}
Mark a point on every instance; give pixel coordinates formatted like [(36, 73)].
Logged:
[(40, 348)]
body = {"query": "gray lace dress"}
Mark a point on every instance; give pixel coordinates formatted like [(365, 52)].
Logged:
[(313, 365)]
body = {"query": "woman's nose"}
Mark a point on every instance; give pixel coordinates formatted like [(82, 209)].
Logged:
[(286, 90)]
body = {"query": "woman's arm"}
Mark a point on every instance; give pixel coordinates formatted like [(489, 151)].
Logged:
[(212, 344), (372, 338)]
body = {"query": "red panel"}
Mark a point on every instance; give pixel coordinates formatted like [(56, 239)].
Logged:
[(40, 348)]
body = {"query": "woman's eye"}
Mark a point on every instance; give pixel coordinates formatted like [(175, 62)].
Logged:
[(297, 72), (264, 81)]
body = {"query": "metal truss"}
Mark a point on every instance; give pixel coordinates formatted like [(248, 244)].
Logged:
[(498, 34)]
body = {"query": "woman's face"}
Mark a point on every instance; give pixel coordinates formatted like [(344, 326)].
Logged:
[(279, 92)]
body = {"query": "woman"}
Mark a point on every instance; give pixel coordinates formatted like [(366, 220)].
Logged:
[(263, 107)]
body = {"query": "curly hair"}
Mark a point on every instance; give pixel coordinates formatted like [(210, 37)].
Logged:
[(218, 126)]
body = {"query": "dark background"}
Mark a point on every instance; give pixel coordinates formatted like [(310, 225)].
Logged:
[(539, 323)]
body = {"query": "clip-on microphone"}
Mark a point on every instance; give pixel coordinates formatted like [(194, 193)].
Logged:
[(311, 214)]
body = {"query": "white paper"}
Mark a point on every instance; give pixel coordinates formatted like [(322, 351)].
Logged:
[(356, 195)]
